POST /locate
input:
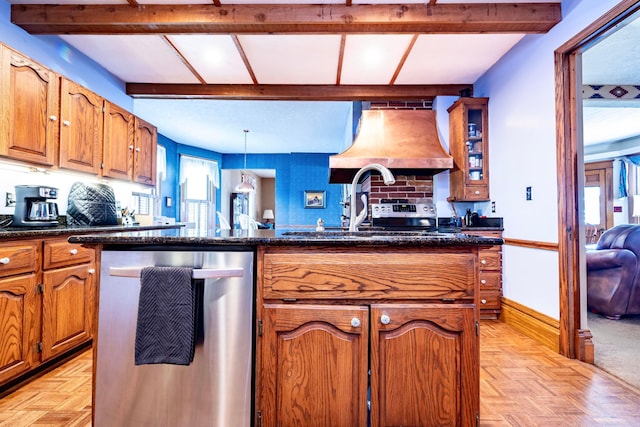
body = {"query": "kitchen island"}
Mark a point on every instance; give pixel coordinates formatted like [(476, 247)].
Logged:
[(350, 329)]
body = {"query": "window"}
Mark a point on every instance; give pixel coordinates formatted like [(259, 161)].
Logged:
[(199, 179)]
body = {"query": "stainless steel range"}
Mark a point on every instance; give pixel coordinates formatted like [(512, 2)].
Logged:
[(400, 215)]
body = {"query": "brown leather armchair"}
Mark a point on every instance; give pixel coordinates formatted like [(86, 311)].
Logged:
[(613, 273)]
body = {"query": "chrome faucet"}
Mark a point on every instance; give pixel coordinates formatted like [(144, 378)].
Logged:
[(356, 219)]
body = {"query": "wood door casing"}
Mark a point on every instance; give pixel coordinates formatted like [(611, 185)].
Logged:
[(67, 315), (314, 366), (18, 306), (424, 365), (80, 128), (29, 98)]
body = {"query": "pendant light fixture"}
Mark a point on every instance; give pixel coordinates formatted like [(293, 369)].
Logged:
[(245, 186)]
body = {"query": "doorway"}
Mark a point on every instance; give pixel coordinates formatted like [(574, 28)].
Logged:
[(598, 199), (575, 338)]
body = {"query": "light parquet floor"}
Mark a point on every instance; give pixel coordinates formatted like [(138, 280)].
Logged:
[(521, 384)]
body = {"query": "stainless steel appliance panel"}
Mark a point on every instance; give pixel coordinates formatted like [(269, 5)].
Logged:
[(216, 389)]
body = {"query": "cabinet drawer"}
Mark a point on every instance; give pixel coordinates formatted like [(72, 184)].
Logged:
[(60, 253), (490, 299), (476, 192), (490, 259), (387, 274), (19, 257), (490, 280)]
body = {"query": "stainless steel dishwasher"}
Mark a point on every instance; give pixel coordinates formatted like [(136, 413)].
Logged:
[(216, 388)]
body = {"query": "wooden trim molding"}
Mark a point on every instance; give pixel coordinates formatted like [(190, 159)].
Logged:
[(536, 325), (585, 350), (531, 244)]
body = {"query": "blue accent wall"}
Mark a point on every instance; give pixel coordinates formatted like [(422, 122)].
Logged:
[(295, 173)]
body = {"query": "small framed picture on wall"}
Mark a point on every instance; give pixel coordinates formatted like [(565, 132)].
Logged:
[(314, 199)]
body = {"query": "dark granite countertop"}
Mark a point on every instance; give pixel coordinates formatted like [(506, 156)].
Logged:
[(254, 238), (63, 230)]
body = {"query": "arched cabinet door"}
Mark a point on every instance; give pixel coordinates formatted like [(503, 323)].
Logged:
[(29, 99), (424, 365), (81, 124), (314, 365)]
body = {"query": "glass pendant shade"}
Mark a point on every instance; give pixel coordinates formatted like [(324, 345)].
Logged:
[(245, 186)]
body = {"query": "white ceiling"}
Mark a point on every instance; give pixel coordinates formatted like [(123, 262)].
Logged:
[(314, 59), (614, 60)]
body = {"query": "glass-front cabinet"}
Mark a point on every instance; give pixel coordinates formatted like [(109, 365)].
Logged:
[(468, 143)]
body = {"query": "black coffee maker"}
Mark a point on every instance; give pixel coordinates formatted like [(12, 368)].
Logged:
[(34, 207)]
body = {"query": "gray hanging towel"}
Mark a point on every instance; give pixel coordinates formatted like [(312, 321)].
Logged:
[(167, 310)]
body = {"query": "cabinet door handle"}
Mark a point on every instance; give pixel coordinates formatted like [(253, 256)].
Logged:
[(484, 301), (131, 148), (66, 123), (92, 271), (355, 322), (477, 192), (137, 149), (4, 260), (385, 319), (53, 118), (203, 273), (483, 261), (484, 282), (73, 251)]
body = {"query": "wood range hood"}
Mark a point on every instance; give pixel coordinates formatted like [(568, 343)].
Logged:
[(404, 141)]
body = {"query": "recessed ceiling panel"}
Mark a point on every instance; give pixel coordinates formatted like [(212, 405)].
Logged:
[(293, 59), (614, 60), (454, 58), (214, 57), (372, 58), (608, 124), (134, 58)]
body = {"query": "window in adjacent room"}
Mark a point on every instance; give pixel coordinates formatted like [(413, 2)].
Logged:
[(199, 179)]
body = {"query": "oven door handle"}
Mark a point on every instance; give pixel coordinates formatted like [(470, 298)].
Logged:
[(200, 273)]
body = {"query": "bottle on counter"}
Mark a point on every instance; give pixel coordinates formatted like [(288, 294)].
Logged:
[(468, 219)]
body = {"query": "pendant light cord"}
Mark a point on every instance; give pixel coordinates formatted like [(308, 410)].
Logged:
[(246, 131)]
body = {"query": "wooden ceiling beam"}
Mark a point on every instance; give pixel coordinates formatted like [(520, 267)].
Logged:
[(295, 92), (424, 18)]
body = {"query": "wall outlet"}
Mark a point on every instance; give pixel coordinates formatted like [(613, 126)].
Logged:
[(9, 200), (528, 193)]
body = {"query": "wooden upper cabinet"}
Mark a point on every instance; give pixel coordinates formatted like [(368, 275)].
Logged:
[(80, 128), (29, 95), (146, 141), (469, 147), (117, 154)]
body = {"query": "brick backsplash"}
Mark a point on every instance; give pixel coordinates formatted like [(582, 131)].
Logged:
[(412, 187)]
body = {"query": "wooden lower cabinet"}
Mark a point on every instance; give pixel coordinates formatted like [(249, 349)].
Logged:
[(67, 312), (396, 356), (490, 276), (46, 302), (18, 304), (316, 368)]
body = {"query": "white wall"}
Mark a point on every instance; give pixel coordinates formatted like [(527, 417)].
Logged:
[(522, 138), (12, 174)]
